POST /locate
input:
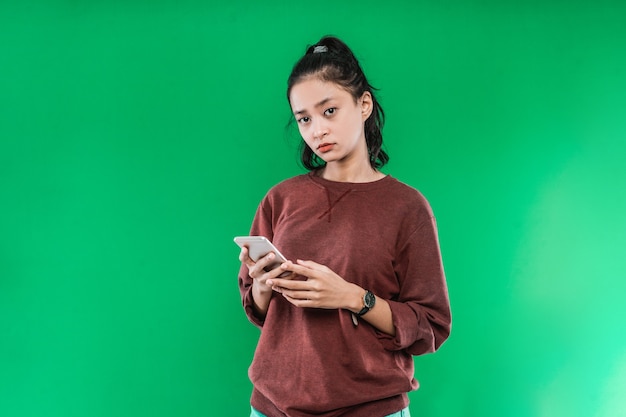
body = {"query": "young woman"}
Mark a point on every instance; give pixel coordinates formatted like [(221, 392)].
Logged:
[(365, 288)]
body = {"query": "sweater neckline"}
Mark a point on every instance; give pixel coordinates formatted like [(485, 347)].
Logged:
[(355, 186)]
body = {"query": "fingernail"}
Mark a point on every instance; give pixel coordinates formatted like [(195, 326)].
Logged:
[(269, 282)]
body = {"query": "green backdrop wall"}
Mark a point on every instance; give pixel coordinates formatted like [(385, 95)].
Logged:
[(137, 138)]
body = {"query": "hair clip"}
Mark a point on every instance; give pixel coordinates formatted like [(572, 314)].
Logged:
[(320, 48)]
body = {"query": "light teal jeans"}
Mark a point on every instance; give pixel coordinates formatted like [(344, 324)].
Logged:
[(401, 413)]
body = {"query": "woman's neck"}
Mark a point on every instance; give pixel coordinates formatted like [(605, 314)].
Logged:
[(361, 173)]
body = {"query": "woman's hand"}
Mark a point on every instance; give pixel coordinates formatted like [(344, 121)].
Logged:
[(261, 290), (323, 288), (256, 270)]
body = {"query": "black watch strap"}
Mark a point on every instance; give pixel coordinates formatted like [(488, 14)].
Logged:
[(369, 299)]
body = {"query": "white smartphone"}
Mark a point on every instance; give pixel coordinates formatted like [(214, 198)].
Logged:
[(258, 247)]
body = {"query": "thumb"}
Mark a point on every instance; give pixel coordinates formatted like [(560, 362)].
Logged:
[(310, 264)]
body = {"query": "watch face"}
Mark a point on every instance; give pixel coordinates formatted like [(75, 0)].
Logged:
[(369, 299)]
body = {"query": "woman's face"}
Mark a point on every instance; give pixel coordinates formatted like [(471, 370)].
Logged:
[(330, 121)]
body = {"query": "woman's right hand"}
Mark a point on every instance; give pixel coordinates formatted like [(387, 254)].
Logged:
[(261, 292), (257, 271)]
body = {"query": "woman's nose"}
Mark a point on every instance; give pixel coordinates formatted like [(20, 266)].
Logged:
[(319, 131)]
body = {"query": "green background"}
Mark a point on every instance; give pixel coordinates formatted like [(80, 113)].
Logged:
[(137, 138)]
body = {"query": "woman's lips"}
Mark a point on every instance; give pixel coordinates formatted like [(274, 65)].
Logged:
[(325, 147)]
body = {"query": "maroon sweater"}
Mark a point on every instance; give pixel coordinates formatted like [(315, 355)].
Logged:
[(381, 236)]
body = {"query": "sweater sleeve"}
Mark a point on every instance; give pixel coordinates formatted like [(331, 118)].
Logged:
[(261, 226), (421, 314)]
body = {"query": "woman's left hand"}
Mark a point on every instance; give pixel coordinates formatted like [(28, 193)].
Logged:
[(323, 288)]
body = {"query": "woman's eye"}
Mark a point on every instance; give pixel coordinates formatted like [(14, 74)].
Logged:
[(303, 120), (330, 111)]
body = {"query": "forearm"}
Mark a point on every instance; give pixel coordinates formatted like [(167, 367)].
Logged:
[(261, 295), (379, 316)]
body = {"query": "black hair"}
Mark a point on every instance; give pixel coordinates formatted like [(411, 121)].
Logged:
[(331, 60)]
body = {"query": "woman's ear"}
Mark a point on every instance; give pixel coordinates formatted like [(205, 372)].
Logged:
[(367, 105)]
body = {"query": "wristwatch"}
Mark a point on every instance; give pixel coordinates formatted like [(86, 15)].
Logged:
[(369, 299)]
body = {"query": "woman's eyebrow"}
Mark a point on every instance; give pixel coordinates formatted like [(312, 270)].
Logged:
[(320, 104)]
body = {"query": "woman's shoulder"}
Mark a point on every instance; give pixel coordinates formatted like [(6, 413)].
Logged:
[(289, 184), (288, 187), (406, 192)]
